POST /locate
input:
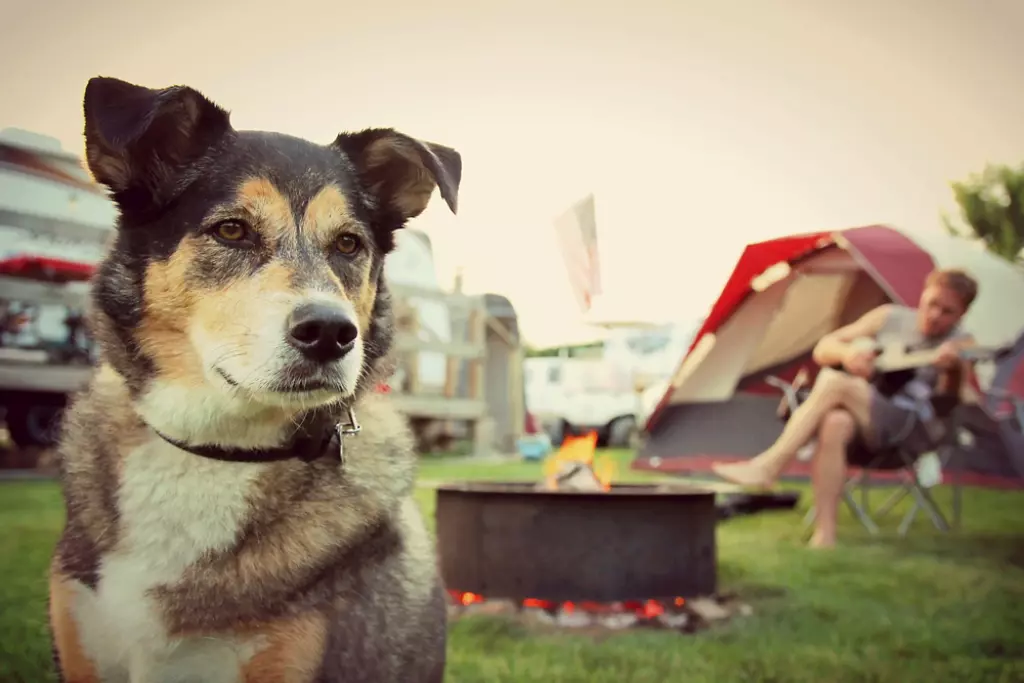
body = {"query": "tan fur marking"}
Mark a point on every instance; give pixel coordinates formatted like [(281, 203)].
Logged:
[(270, 209), (326, 214), (230, 311), (275, 278), (364, 300), (162, 334), (296, 647), (75, 666)]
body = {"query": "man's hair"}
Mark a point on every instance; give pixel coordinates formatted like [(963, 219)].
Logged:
[(956, 281)]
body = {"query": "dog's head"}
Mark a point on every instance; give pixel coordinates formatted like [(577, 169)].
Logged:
[(247, 266)]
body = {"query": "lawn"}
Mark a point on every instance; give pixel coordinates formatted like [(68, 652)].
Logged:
[(927, 608)]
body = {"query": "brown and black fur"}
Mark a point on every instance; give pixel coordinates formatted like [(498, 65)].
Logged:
[(332, 568)]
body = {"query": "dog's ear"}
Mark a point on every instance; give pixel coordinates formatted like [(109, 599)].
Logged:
[(402, 172), (139, 138)]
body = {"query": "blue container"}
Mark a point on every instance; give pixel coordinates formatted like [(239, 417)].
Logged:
[(534, 447)]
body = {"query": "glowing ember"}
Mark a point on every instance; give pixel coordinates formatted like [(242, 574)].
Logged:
[(643, 610), (467, 598), (675, 614), (575, 451)]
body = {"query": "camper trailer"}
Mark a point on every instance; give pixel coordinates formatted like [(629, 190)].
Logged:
[(54, 224)]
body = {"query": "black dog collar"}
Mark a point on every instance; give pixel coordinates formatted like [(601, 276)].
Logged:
[(328, 440)]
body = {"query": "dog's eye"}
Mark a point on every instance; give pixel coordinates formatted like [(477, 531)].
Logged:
[(231, 231), (347, 244)]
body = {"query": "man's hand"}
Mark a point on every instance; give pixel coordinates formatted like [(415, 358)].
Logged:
[(859, 361), (947, 355)]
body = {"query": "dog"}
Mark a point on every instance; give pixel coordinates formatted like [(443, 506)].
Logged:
[(225, 522)]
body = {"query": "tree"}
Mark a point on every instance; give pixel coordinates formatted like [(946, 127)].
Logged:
[(992, 210)]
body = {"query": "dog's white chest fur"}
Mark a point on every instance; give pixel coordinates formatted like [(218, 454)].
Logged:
[(174, 507)]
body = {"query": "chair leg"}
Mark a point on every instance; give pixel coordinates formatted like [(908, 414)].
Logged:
[(862, 511), (812, 514), (807, 525), (851, 503), (949, 462), (923, 501), (865, 492), (957, 502), (892, 501), (863, 517)]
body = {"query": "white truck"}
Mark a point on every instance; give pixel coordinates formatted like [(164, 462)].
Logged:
[(608, 393)]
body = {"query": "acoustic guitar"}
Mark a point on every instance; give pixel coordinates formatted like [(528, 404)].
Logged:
[(891, 358)]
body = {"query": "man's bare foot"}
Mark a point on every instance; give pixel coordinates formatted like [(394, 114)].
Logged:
[(820, 541), (744, 473)]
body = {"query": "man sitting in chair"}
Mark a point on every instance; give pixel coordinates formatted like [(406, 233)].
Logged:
[(844, 406)]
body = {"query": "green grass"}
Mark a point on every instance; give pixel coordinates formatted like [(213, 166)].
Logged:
[(927, 608)]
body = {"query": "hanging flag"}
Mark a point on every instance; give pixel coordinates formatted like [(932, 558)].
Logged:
[(577, 236)]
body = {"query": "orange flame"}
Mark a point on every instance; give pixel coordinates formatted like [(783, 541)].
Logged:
[(580, 449)]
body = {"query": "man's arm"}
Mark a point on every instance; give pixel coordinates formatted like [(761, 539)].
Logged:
[(833, 347)]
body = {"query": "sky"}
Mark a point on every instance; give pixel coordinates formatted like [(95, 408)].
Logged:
[(699, 125)]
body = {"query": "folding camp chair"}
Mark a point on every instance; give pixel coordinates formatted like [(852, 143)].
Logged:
[(944, 450), (901, 457)]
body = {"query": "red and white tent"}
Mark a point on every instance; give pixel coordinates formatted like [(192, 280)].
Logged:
[(782, 296)]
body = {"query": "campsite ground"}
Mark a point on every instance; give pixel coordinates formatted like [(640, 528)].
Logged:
[(922, 609)]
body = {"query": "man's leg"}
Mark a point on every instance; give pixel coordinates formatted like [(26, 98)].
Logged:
[(829, 473), (832, 390)]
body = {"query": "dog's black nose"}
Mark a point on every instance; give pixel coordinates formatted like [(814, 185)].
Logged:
[(322, 332)]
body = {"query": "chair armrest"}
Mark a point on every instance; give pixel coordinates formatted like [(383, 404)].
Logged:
[(791, 398), (788, 389)]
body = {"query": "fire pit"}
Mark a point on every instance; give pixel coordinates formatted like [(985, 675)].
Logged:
[(574, 549), (624, 543)]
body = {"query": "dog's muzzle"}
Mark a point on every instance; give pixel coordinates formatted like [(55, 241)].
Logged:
[(321, 332)]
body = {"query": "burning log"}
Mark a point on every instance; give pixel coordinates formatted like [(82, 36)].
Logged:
[(572, 476), (573, 468)]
